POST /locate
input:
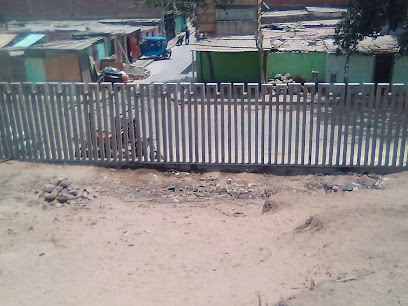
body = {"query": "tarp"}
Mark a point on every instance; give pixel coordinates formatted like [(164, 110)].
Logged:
[(6, 38), (29, 40)]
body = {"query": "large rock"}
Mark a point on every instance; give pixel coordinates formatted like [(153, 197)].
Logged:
[(62, 198), (65, 183), (49, 188)]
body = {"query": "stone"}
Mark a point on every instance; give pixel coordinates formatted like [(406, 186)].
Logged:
[(51, 196), (287, 76), (62, 198), (278, 76), (48, 188), (65, 183), (74, 193), (335, 189), (229, 181)]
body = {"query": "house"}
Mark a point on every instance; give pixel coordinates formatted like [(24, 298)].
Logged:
[(307, 48)]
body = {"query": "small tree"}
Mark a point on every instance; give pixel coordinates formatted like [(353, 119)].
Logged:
[(371, 17)]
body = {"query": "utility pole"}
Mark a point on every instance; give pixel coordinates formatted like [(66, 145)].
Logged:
[(163, 25)]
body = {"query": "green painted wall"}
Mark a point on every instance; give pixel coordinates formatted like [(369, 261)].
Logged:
[(297, 64), (35, 70), (180, 24), (361, 68), (229, 67), (400, 70)]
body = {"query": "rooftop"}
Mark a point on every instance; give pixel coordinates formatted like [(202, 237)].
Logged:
[(67, 45), (243, 43), (318, 37), (136, 21), (90, 26)]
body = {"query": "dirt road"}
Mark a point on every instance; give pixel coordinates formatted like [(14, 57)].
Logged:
[(143, 237)]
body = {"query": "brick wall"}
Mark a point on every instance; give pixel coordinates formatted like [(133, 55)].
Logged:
[(78, 9)]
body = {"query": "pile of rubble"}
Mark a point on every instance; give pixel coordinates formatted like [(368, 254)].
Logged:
[(62, 192), (285, 79)]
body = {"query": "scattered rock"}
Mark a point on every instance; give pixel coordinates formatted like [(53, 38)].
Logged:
[(11, 232), (73, 192), (229, 181), (311, 224), (65, 183), (48, 188), (173, 189), (50, 196), (41, 254), (62, 198), (335, 189)]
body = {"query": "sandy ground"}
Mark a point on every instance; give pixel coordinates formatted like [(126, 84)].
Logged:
[(154, 238)]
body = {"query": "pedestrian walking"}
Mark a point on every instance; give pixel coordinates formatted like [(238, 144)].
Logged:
[(187, 36)]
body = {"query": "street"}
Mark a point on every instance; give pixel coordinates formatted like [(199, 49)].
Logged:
[(176, 69)]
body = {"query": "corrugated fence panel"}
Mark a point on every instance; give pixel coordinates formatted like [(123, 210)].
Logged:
[(324, 125)]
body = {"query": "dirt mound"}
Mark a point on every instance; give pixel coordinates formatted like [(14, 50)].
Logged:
[(271, 206), (312, 224)]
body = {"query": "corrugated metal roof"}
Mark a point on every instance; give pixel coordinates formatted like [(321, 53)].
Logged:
[(68, 45), (326, 10), (227, 44), (5, 39), (29, 40), (286, 13), (136, 21)]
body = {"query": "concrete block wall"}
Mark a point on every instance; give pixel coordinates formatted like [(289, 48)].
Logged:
[(226, 28)]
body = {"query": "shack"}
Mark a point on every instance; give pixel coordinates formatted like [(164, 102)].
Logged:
[(64, 60), (228, 59)]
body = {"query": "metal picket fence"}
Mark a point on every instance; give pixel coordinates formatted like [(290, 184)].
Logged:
[(330, 125)]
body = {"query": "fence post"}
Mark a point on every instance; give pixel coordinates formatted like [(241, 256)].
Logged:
[(7, 148), (253, 94), (158, 92)]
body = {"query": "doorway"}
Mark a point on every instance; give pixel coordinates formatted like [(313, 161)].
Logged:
[(383, 68)]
